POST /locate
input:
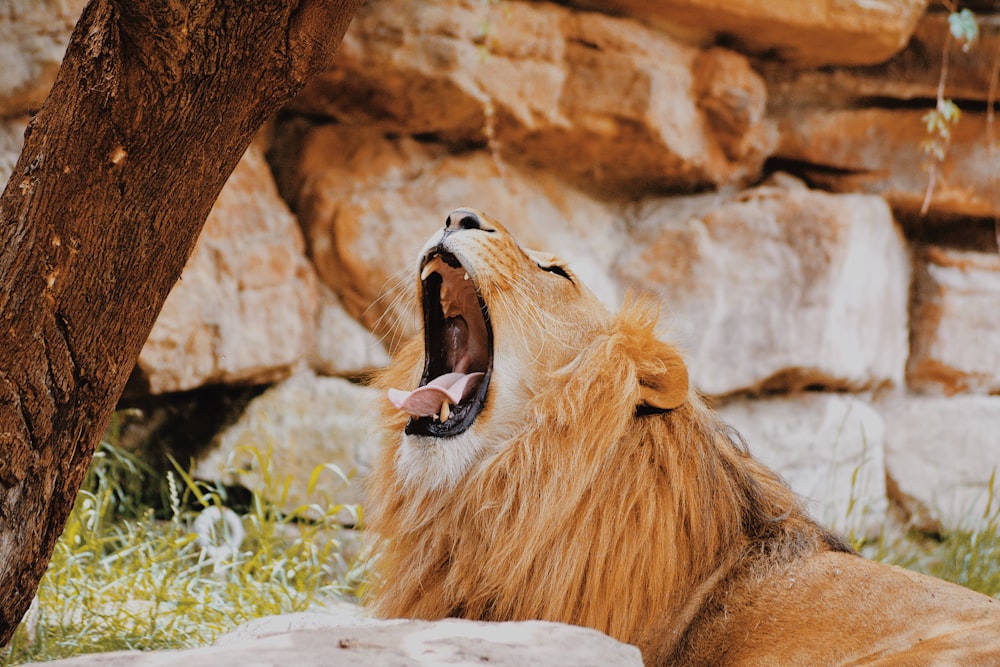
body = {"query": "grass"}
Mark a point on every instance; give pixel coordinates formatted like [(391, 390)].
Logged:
[(128, 575), (968, 555)]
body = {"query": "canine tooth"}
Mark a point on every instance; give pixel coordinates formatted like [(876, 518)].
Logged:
[(445, 411), (466, 276), (430, 267)]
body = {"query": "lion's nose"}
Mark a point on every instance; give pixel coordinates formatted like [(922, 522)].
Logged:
[(463, 218)]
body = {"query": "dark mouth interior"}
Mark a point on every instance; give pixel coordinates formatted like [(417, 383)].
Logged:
[(458, 338)]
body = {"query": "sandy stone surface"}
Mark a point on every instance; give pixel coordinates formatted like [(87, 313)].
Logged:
[(339, 641)]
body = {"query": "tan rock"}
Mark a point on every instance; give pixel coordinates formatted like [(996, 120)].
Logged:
[(779, 287), (369, 204), (605, 101), (304, 426), (33, 38), (828, 447), (912, 74), (941, 454), (955, 346), (880, 151), (245, 307), (807, 33), (344, 347)]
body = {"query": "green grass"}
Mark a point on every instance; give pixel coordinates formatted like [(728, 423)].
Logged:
[(127, 576), (968, 555)]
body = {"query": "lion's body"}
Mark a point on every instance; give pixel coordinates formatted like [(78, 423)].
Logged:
[(587, 492)]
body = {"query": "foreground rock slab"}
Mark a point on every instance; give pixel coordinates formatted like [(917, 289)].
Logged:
[(334, 641)]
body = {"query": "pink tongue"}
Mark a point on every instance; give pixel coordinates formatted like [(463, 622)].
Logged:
[(426, 401)]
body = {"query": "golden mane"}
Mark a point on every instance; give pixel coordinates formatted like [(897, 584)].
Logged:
[(498, 546), (586, 483)]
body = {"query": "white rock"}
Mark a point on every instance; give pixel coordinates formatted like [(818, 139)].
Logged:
[(778, 287), (379, 643), (955, 323), (828, 447), (942, 453), (33, 38), (11, 140), (298, 428)]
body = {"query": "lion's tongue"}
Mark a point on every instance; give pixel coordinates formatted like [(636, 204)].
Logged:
[(426, 401)]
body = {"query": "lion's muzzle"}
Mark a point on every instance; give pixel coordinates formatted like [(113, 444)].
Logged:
[(458, 341)]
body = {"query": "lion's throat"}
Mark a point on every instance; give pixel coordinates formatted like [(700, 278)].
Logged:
[(433, 397)]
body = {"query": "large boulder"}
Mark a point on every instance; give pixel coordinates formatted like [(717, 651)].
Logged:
[(602, 100), (955, 344), (804, 33), (778, 287), (828, 447)]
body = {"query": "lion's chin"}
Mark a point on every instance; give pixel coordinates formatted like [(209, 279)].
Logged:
[(430, 463)]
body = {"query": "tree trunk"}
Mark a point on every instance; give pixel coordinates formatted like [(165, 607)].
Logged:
[(155, 103)]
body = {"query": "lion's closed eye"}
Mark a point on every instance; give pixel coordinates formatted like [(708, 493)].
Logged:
[(558, 270)]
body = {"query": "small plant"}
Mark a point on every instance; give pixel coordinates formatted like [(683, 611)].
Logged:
[(939, 122), (121, 578)]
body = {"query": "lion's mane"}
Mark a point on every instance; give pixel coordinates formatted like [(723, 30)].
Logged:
[(591, 513)]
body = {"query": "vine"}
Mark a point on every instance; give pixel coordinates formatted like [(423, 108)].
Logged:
[(939, 122)]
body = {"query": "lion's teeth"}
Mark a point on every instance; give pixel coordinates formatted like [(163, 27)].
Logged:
[(430, 267), (445, 411), (466, 276)]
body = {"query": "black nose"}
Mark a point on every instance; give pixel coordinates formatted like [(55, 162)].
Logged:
[(463, 219)]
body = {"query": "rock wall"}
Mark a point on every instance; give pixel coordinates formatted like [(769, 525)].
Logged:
[(761, 172)]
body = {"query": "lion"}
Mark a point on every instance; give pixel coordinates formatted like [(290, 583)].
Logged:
[(549, 460)]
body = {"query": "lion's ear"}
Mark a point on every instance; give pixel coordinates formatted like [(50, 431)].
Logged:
[(662, 375), (663, 382)]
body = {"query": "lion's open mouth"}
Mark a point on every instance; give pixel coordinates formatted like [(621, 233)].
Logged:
[(458, 352)]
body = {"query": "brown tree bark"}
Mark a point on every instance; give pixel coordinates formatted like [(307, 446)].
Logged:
[(155, 102)]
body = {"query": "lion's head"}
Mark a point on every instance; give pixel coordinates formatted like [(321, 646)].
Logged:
[(500, 324)]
